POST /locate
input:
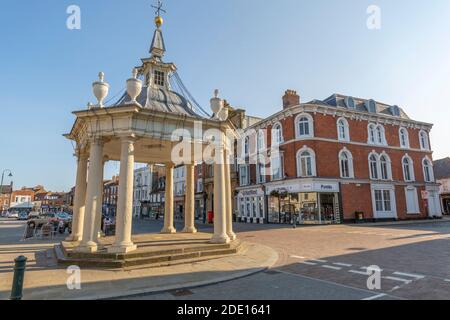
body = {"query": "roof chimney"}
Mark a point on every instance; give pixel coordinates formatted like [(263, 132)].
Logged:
[(290, 99)]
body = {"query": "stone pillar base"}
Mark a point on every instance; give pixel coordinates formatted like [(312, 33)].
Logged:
[(189, 230), (232, 236), (169, 230), (220, 239), (73, 238), (90, 247), (122, 248)]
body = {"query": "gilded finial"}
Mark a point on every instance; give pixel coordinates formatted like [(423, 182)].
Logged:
[(158, 19)]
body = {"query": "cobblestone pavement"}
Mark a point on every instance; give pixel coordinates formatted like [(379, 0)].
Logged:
[(330, 262)]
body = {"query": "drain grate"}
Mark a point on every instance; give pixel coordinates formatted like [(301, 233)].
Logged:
[(181, 293)]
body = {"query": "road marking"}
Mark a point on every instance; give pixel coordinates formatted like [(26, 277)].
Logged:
[(342, 264), (371, 269), (331, 267), (319, 261), (381, 295), (398, 279), (416, 276), (447, 280), (298, 257), (308, 263), (358, 272)]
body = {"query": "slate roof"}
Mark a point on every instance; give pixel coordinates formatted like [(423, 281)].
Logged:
[(161, 99), (442, 169), (362, 105)]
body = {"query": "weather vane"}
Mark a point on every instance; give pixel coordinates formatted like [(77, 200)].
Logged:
[(159, 8)]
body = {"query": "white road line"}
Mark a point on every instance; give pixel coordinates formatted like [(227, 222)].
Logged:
[(398, 279), (358, 272), (308, 263), (331, 267), (298, 257), (366, 268), (378, 296), (342, 264), (319, 261), (410, 275), (447, 280)]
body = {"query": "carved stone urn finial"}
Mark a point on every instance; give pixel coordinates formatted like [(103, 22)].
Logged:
[(134, 87), (101, 89), (216, 104)]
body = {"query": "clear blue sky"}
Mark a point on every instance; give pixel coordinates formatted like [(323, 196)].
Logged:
[(252, 50)]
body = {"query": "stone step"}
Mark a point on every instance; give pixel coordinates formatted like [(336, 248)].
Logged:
[(169, 257)]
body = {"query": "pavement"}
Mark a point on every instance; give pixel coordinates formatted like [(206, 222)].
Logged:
[(307, 263), (44, 280)]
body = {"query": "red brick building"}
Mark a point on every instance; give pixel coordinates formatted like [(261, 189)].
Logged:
[(334, 161)]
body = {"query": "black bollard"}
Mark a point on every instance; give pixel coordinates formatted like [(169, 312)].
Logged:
[(19, 274)]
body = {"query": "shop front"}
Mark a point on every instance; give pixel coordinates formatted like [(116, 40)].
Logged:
[(312, 202), (251, 205)]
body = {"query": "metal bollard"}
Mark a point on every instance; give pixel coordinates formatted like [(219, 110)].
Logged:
[(19, 274)]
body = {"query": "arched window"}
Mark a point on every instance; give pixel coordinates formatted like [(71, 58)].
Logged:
[(247, 146), (306, 163), (346, 164), (423, 136), (372, 133), (408, 168), (373, 166), (404, 138), (385, 167), (261, 140), (304, 126), (428, 173), (380, 136), (277, 134), (343, 130)]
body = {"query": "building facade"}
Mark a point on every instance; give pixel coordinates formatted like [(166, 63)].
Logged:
[(142, 188), (5, 197), (337, 160), (442, 175), (110, 193)]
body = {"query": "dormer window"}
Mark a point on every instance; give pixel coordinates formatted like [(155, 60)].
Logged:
[(159, 78)]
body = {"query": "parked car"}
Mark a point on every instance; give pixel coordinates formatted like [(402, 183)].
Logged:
[(13, 215), (37, 221)]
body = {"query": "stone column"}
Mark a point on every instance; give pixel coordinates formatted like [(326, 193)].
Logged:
[(79, 198), (220, 222), (189, 216), (93, 197), (124, 219), (169, 202), (98, 219), (229, 198)]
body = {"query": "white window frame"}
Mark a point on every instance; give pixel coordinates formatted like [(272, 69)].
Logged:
[(272, 169), (246, 180), (372, 133), (260, 176), (392, 214), (342, 123), (411, 168), (424, 145), (277, 139), (261, 140), (310, 121), (351, 171), (388, 166), (403, 131), (300, 173), (430, 167), (377, 165)]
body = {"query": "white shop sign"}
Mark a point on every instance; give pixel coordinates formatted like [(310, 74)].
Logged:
[(332, 187), (251, 193)]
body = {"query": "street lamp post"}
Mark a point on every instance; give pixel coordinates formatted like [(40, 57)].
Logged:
[(3, 176)]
